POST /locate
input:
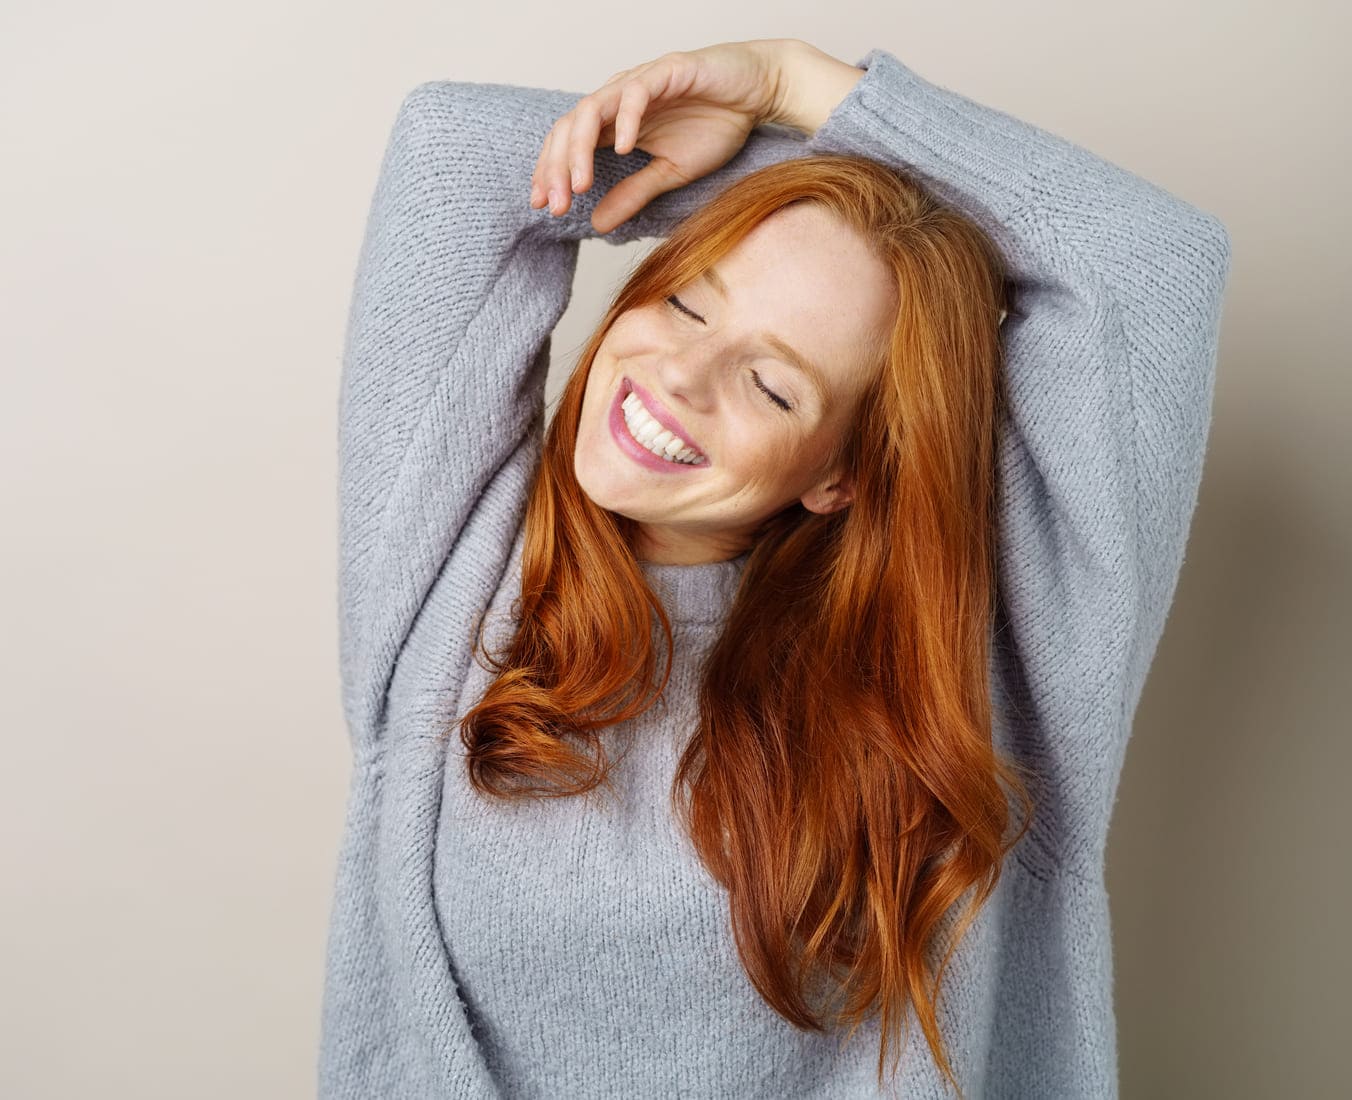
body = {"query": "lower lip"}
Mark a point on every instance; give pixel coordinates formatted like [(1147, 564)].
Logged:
[(634, 449)]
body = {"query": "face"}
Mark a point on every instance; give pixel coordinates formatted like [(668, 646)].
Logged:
[(758, 369)]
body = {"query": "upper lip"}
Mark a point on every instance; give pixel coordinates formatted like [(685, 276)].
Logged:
[(662, 414)]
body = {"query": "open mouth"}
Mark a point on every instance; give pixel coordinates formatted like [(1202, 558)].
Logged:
[(648, 431)]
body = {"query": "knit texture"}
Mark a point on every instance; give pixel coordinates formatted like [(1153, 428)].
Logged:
[(575, 947)]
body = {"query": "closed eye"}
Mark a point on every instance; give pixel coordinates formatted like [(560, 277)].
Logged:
[(676, 303)]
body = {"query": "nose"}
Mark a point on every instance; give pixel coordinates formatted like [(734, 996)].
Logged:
[(689, 375)]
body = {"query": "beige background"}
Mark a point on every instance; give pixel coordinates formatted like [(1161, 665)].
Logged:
[(184, 191)]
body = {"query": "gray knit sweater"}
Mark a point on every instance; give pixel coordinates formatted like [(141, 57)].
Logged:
[(577, 948)]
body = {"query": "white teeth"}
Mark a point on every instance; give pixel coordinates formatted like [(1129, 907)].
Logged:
[(652, 435)]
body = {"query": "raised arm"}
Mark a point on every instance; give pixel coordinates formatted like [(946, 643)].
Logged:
[(459, 283), (1111, 356)]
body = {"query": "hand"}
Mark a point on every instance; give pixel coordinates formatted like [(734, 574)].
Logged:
[(691, 110)]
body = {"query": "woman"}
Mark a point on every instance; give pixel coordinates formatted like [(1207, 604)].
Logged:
[(815, 562)]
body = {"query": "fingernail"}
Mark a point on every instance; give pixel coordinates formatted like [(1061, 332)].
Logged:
[(534, 193), (577, 177), (555, 200)]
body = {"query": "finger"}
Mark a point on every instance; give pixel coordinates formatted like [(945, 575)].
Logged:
[(634, 192), (588, 118), (608, 108), (555, 176), (634, 100), (595, 116), (538, 187)]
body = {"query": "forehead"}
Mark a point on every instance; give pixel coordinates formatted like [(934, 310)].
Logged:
[(804, 276)]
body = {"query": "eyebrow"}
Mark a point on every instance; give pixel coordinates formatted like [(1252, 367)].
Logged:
[(794, 358)]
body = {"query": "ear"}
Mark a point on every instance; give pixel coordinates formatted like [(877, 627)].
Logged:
[(830, 496)]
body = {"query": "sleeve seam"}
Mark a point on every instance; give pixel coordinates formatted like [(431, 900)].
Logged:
[(1085, 270), (1076, 854)]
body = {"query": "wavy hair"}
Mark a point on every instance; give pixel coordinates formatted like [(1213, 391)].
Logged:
[(842, 784)]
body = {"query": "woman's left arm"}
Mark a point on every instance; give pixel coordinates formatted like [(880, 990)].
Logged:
[(1111, 353), (1137, 235)]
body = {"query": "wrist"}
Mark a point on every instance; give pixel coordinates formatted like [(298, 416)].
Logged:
[(809, 85)]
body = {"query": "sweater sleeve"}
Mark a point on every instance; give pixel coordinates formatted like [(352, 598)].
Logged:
[(459, 284), (1111, 352)]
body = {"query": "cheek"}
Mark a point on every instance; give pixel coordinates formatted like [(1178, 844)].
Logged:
[(768, 452), (801, 456), (596, 396)]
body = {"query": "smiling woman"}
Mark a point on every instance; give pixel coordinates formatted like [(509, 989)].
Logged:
[(801, 285), (818, 669), (859, 520)]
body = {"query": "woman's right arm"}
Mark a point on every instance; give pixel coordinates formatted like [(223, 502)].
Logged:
[(459, 283)]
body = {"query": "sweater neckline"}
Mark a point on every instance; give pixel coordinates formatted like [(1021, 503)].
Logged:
[(698, 593)]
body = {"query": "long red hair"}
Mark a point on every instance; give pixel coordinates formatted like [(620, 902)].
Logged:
[(842, 784)]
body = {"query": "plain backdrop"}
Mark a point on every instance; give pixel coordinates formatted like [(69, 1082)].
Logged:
[(185, 187)]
